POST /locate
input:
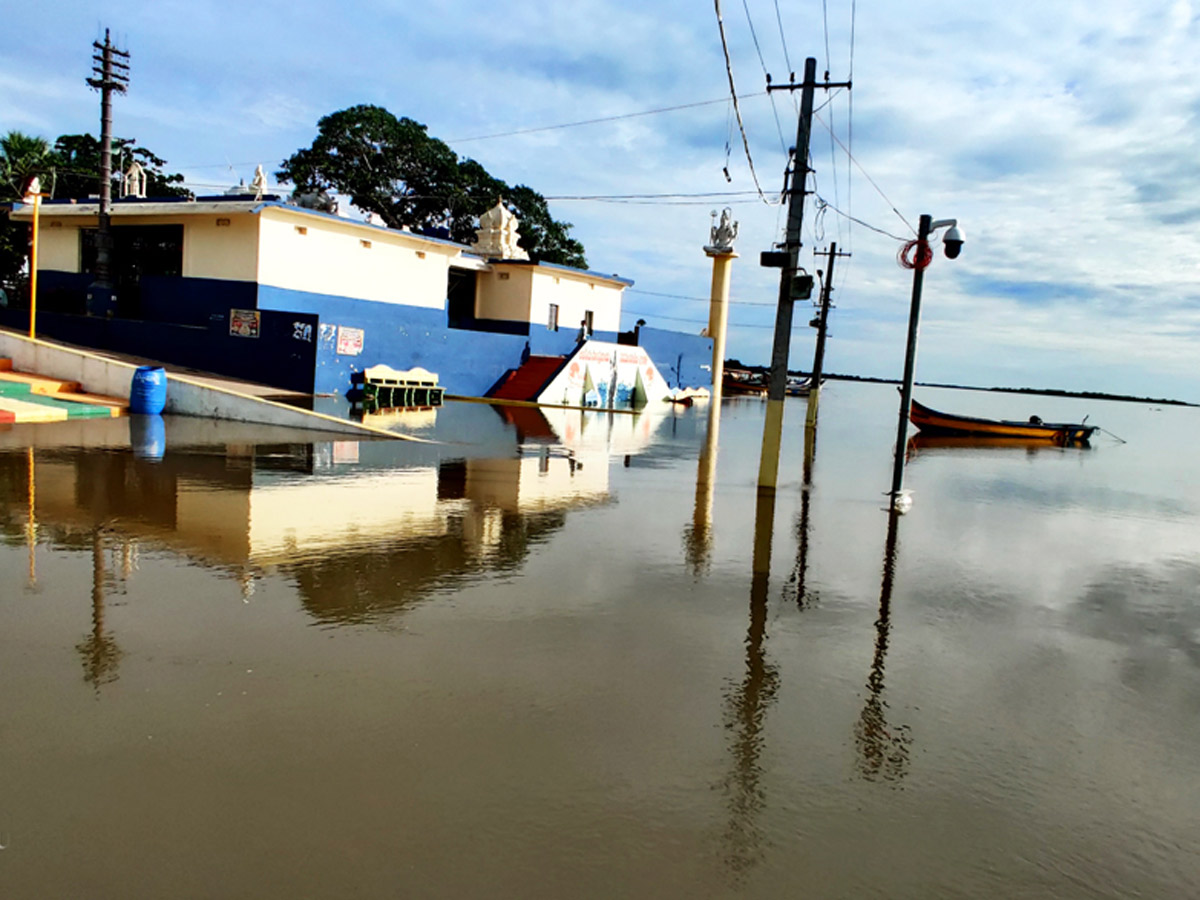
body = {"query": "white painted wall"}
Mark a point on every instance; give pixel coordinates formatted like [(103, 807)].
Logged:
[(330, 257), (575, 294)]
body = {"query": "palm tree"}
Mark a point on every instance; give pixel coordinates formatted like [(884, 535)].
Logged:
[(21, 157)]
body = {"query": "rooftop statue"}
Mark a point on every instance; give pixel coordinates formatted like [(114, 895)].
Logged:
[(497, 235), (259, 184), (133, 182), (723, 234)]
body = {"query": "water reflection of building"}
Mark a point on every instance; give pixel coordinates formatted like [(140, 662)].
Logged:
[(361, 529)]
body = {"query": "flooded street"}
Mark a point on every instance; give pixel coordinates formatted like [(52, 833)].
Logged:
[(551, 656)]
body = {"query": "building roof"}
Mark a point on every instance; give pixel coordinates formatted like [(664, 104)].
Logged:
[(245, 203)]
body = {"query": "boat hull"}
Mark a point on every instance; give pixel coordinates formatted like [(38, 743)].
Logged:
[(930, 421)]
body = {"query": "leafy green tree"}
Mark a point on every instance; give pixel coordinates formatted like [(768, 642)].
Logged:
[(21, 157), (394, 168), (68, 170), (77, 157)]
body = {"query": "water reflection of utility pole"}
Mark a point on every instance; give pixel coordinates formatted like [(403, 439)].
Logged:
[(796, 589), (746, 706), (31, 520), (698, 538), (883, 748), (101, 655)]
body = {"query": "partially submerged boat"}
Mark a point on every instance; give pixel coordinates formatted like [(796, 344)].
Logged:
[(798, 386), (930, 421), (744, 383)]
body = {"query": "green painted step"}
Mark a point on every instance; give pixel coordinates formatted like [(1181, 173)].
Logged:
[(73, 410)]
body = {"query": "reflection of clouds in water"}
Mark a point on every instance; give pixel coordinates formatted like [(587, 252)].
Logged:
[(1059, 497), (1143, 607)]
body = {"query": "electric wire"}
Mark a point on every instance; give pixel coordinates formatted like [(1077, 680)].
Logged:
[(824, 204), (767, 75), (736, 108), (602, 119), (699, 299), (796, 326), (866, 175), (782, 39), (825, 25), (850, 126)]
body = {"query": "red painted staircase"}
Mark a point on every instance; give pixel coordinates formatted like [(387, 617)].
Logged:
[(526, 382)]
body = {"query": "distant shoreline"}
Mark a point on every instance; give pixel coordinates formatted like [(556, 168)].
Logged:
[(1046, 392)]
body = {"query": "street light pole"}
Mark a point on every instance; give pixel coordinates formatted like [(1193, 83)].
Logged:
[(922, 256)]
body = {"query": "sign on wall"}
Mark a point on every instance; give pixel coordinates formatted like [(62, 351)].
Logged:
[(244, 322), (349, 341)]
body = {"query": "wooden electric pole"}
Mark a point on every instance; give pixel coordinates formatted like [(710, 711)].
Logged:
[(110, 74), (792, 284), (814, 392)]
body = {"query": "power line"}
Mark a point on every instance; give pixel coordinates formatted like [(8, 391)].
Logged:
[(649, 196), (700, 299), (783, 40), (867, 176), (767, 75), (602, 119), (642, 313), (736, 108), (824, 204)]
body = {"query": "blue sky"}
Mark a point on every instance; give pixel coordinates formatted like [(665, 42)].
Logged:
[(1062, 136)]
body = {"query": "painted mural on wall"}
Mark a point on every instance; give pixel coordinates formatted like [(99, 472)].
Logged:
[(601, 375)]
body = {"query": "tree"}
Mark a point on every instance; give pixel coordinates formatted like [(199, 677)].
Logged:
[(394, 168), (21, 158), (77, 157), (69, 170)]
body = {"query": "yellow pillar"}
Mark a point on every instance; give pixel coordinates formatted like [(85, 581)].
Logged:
[(33, 260), (718, 312)]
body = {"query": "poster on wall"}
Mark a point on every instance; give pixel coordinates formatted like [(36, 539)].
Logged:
[(349, 341), (244, 322)]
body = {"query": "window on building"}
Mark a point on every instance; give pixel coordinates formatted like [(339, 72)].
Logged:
[(589, 325), (552, 322)]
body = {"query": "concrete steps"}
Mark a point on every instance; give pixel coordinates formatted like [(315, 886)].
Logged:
[(25, 397), (526, 382)]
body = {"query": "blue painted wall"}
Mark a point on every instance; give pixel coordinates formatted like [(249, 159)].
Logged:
[(193, 301), (283, 355), (685, 360), (186, 322), (466, 362)]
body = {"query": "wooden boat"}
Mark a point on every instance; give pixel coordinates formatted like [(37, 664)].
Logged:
[(800, 387), (740, 382), (930, 421)]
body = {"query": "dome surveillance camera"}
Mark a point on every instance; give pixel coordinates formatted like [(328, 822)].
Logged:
[(953, 241)]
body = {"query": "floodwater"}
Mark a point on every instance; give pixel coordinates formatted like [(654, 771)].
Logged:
[(577, 655)]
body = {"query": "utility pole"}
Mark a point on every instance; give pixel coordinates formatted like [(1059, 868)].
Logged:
[(110, 74), (814, 392), (792, 285)]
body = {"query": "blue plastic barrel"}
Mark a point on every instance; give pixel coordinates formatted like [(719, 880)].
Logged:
[(148, 394)]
